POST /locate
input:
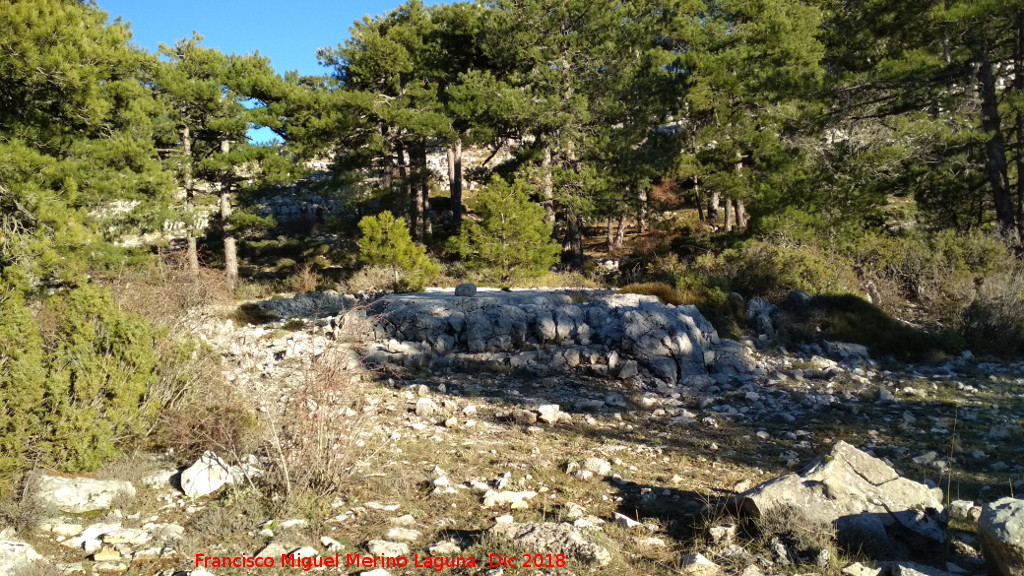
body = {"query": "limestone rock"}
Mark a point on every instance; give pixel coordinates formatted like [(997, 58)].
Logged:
[(1001, 532), (964, 510), (465, 290), (873, 509), (506, 497), (858, 569), (15, 556), (552, 538), (206, 476), (543, 332), (80, 495), (444, 548), (425, 407), (549, 413), (699, 565), (846, 481), (598, 466), (387, 549), (403, 534)]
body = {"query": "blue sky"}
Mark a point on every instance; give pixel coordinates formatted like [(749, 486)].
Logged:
[(288, 34)]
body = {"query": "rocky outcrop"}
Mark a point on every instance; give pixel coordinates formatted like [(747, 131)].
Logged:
[(553, 538), (873, 509), (546, 332), (297, 205), (1001, 531), (80, 495), (313, 305)]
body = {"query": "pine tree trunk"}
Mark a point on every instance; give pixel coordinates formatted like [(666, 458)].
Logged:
[(620, 235), (700, 200), (739, 209), (644, 223), (995, 146), (407, 187), (611, 236), (455, 180), (549, 188), (572, 246), (741, 215), (727, 225), (231, 261), (714, 203), (423, 182), (191, 252), (230, 249), (1018, 84)]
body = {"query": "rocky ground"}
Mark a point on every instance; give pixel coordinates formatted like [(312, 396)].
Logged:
[(585, 471)]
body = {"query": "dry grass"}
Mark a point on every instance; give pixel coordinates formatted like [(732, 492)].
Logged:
[(664, 292), (320, 436), (305, 280)]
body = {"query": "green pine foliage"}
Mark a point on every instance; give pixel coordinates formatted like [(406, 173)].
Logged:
[(75, 381), (512, 239), (386, 242)]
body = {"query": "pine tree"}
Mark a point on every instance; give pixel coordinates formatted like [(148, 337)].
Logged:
[(512, 239)]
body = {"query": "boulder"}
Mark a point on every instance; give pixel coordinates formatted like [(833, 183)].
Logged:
[(553, 538), (465, 290), (80, 495), (1001, 532), (872, 508)]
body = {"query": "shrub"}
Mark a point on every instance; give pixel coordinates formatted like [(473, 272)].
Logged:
[(512, 239), (938, 270), (220, 422), (75, 391), (386, 242), (850, 318), (22, 385), (372, 279), (771, 269), (994, 320)]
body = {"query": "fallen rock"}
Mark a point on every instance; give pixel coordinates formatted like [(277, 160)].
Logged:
[(15, 556), (549, 413), (465, 290), (403, 534), (107, 555), (517, 500), (845, 482), (425, 407), (699, 565), (206, 476), (858, 569), (872, 508), (387, 549), (964, 510), (80, 495), (1001, 532), (552, 538), (598, 466)]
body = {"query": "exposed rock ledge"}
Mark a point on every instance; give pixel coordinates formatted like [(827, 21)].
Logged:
[(539, 332)]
